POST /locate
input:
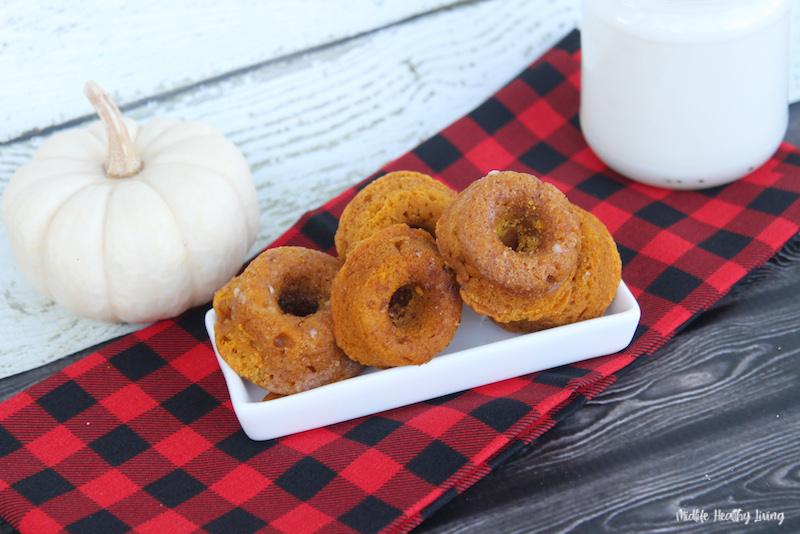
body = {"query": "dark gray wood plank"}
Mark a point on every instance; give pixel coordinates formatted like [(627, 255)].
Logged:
[(708, 423)]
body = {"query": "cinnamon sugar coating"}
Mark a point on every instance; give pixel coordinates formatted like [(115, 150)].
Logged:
[(594, 284), (513, 242)]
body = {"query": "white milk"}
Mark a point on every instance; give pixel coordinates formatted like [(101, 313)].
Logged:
[(684, 94)]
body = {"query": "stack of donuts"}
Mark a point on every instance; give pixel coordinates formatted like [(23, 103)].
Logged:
[(410, 252), (525, 256)]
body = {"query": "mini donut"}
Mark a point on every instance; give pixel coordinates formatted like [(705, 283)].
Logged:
[(407, 197), (513, 242), (394, 302), (592, 287), (274, 324)]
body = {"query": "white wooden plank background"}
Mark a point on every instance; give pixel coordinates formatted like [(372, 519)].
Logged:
[(316, 98), (151, 47)]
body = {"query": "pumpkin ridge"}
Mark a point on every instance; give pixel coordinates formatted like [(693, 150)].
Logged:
[(229, 182), (216, 177), (109, 295), (143, 179), (36, 181), (46, 233), (119, 309)]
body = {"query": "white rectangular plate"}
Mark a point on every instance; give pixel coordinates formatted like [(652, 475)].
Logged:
[(480, 353)]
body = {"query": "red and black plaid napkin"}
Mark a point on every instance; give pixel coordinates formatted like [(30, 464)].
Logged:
[(141, 435)]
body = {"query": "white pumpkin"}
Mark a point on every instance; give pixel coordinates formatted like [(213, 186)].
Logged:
[(122, 222)]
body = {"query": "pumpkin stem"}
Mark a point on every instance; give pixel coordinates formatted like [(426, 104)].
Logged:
[(122, 160)]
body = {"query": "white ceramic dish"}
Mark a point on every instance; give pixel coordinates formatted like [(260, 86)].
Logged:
[(480, 353)]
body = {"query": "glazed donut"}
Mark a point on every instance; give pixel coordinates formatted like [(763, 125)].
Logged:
[(398, 197), (274, 324), (592, 287), (513, 242), (394, 302)]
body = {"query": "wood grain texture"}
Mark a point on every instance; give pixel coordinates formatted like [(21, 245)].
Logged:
[(709, 422), (147, 48), (310, 127), (138, 50)]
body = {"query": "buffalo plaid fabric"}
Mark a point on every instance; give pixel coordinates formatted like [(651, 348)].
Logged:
[(141, 434)]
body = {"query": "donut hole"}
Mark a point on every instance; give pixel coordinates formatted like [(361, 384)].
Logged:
[(298, 300), (406, 306), (519, 230)]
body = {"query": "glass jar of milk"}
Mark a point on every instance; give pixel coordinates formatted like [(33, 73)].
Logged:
[(684, 94)]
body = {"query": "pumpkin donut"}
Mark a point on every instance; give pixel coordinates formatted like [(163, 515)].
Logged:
[(398, 197), (513, 242), (594, 284), (274, 323), (394, 302)]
